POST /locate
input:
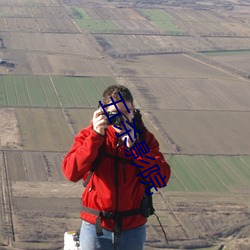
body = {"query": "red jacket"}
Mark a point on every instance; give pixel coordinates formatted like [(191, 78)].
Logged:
[(101, 190)]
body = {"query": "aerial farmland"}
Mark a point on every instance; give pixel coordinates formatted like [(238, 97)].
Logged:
[(187, 64)]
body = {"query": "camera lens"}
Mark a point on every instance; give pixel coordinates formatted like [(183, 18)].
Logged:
[(115, 118)]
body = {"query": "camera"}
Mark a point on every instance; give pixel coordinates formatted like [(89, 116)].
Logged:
[(117, 119)]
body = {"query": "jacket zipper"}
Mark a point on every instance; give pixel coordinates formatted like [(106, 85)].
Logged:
[(124, 171), (118, 218), (116, 177)]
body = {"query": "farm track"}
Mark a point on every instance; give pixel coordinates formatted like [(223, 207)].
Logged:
[(224, 68), (7, 227), (175, 216)]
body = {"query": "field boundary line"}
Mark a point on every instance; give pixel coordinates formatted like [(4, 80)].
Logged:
[(5, 93), (27, 89), (244, 163), (54, 87), (25, 168), (232, 171), (217, 68), (42, 88), (65, 115), (79, 29), (34, 151), (14, 85), (70, 18), (8, 100), (69, 123), (173, 212), (174, 147), (69, 89), (96, 84), (7, 206), (43, 52), (182, 184), (204, 110), (202, 185), (214, 172), (83, 91)]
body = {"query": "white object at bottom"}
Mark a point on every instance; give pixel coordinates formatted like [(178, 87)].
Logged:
[(71, 240)]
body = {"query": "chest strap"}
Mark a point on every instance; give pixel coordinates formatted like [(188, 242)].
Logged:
[(110, 215)]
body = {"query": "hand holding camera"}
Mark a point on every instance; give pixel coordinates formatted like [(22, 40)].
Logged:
[(117, 120), (100, 121)]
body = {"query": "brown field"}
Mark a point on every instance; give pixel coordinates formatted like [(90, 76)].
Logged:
[(52, 44), (220, 22), (50, 25), (10, 135), (39, 130), (169, 66), (35, 18), (216, 132), (235, 60), (194, 104), (230, 44), (54, 54), (191, 94), (143, 44)]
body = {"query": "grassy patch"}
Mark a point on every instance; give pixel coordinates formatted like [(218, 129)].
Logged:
[(56, 91), (209, 173), (93, 25), (79, 13), (162, 20), (154, 15), (168, 26), (226, 53), (85, 22)]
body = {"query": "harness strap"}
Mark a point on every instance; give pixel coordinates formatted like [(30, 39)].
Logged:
[(85, 182), (95, 164), (110, 215)]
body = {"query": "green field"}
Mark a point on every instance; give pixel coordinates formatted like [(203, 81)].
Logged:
[(87, 23), (79, 13), (156, 15), (226, 53), (161, 19), (55, 91), (208, 173), (93, 25)]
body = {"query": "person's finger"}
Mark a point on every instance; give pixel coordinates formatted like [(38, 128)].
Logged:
[(100, 121), (97, 113)]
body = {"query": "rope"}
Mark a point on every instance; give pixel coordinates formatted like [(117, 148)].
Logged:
[(165, 235)]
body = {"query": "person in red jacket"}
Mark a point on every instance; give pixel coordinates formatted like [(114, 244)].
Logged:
[(112, 216)]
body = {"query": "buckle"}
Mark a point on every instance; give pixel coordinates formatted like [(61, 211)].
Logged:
[(107, 215)]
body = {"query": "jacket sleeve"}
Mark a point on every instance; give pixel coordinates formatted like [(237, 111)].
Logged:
[(83, 152), (157, 167)]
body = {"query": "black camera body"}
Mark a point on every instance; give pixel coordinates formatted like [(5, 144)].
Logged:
[(116, 120)]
